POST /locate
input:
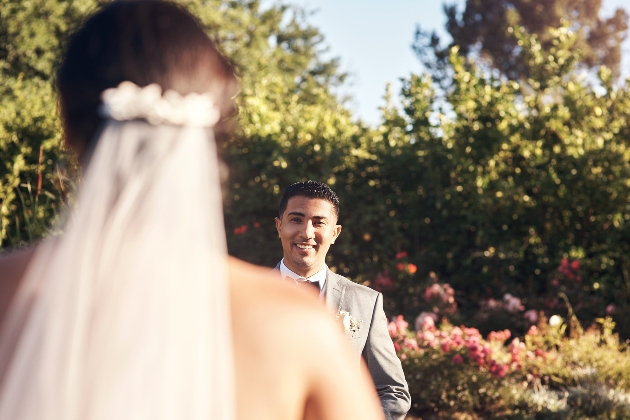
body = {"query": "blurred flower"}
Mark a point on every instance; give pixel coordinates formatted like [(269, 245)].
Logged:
[(498, 370), (512, 303), (570, 269), (555, 283), (383, 281), (445, 346), (401, 324), (575, 265), (555, 320), (240, 230), (531, 315), (499, 336), (412, 344), (400, 255), (256, 225), (425, 321), (411, 268), (610, 309), (393, 329), (533, 330), (457, 359), (493, 304), (400, 266)]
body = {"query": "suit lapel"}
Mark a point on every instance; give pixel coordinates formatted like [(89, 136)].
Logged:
[(335, 292)]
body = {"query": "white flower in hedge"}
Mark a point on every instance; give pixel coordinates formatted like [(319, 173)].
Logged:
[(555, 320)]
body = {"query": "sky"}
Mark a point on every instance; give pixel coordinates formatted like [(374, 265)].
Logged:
[(373, 40)]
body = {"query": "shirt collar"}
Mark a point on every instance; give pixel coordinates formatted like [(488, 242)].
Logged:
[(319, 277)]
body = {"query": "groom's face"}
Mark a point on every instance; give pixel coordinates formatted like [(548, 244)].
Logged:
[(307, 229)]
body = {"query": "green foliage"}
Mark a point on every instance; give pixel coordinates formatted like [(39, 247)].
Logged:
[(33, 172), (492, 188), (285, 88), (482, 30)]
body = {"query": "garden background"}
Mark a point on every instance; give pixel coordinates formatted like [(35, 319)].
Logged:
[(494, 197)]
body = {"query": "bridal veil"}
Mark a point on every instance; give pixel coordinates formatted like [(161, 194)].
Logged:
[(126, 314)]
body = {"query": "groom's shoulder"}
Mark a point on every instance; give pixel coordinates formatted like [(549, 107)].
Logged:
[(356, 287)]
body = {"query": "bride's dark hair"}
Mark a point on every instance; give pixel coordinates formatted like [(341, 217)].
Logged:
[(144, 42)]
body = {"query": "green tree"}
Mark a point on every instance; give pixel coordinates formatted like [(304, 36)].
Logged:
[(481, 30), (491, 192), (285, 85)]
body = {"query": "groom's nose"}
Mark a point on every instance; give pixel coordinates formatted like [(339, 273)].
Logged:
[(309, 230)]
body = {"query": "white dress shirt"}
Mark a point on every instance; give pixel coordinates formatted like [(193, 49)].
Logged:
[(319, 277)]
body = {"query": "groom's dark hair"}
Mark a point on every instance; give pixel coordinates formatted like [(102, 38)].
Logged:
[(309, 189)]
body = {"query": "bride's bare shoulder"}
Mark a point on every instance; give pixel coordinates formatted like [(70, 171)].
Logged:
[(256, 289)]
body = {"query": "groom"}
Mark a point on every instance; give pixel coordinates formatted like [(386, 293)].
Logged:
[(307, 226)]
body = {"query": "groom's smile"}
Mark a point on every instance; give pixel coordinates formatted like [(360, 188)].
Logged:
[(307, 228)]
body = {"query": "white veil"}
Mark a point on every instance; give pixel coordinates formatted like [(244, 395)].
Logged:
[(126, 315)]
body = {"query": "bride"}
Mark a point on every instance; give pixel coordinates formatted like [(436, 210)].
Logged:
[(136, 312)]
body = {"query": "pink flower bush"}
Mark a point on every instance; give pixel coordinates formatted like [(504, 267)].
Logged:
[(462, 345)]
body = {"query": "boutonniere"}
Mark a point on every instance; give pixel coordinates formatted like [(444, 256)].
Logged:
[(348, 321)]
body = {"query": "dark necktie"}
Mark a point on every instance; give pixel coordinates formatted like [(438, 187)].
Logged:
[(306, 283)]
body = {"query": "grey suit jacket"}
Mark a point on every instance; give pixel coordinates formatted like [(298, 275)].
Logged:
[(371, 341)]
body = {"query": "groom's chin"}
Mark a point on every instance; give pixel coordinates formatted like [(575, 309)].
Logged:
[(302, 262)]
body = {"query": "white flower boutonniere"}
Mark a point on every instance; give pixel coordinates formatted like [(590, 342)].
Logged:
[(349, 323)]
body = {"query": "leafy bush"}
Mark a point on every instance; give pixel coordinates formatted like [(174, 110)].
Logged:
[(454, 371)]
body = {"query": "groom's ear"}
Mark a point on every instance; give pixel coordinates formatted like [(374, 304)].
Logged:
[(278, 225), (336, 233)]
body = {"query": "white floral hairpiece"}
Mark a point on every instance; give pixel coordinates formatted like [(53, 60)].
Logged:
[(129, 102)]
